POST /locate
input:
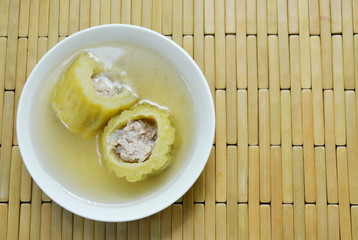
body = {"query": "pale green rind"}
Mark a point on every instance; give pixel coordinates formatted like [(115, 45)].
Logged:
[(77, 104), (159, 157)]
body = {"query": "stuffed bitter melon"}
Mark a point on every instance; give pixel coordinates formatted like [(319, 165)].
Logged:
[(136, 168), (84, 101)]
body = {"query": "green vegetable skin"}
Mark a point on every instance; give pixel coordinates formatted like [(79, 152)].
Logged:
[(77, 104), (159, 157)]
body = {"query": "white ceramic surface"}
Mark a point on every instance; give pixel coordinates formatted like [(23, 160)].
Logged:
[(202, 100)]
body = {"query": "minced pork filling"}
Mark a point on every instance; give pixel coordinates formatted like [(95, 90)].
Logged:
[(135, 142), (105, 84)]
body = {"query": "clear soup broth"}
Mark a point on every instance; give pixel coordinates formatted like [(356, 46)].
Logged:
[(73, 161)]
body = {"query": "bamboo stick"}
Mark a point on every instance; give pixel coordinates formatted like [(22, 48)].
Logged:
[(7, 126), (338, 87), (254, 193), (332, 187), (321, 204), (111, 230), (343, 193), (105, 13), (136, 12), (243, 219), (43, 18), (242, 145), (308, 151), (166, 223), (85, 11), (352, 145), (264, 143), (275, 114), (265, 222), (220, 222), (272, 16), (232, 188), (354, 217), (78, 227), (287, 193), (209, 16), (150, 227), (326, 43), (24, 226), (74, 19), (177, 21), (355, 16), (67, 224), (348, 44), (220, 146), (35, 219), (262, 48), (4, 12), (304, 44), (188, 215), (287, 220), (293, 17), (241, 54), (317, 95), (126, 12), (297, 138), (11, 51), (356, 57), (210, 196), (230, 16), (3, 42), (177, 222), (45, 219), (26, 183), (53, 23), (251, 17), (14, 195), (220, 60), (122, 230), (276, 193), (147, 14), (314, 17), (210, 63), (167, 20), (63, 18), (56, 220), (3, 219), (199, 34), (188, 17), (252, 90), (311, 221), (157, 15), (24, 16), (95, 12), (231, 98), (298, 193), (100, 230), (284, 56), (336, 16), (199, 230)]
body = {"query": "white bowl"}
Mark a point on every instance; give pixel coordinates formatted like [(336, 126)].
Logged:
[(170, 191)]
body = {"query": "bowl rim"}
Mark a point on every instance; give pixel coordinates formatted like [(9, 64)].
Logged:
[(97, 211)]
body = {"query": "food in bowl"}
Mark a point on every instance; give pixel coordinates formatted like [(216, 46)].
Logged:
[(66, 165), (136, 142), (84, 158)]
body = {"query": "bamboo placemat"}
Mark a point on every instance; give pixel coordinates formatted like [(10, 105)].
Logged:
[(283, 75)]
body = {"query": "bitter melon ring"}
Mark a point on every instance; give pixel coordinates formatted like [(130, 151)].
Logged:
[(77, 104), (159, 156)]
